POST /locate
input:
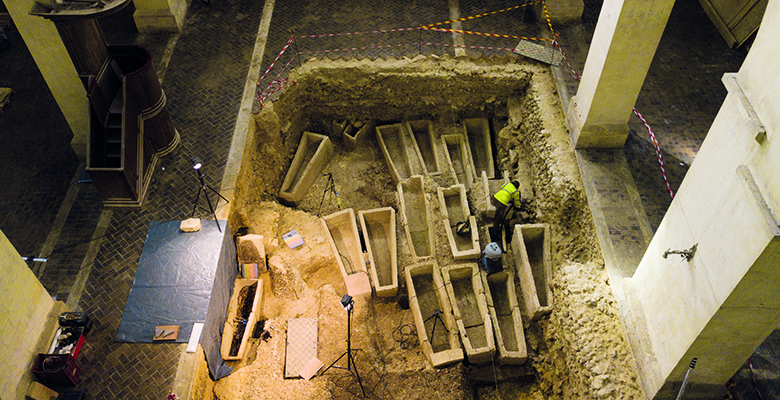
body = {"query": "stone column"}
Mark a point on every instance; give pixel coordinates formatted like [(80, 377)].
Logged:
[(51, 56), (28, 321), (624, 42), (562, 11), (155, 16), (722, 303)]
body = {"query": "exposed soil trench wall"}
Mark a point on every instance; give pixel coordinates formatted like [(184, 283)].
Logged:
[(578, 351)]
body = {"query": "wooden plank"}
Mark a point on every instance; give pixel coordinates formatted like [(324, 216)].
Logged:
[(166, 333)]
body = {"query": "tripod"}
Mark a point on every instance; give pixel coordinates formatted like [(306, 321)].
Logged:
[(202, 188), (350, 357), (330, 187), (436, 316)]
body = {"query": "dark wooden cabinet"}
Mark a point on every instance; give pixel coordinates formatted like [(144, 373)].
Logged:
[(130, 126), (736, 20)]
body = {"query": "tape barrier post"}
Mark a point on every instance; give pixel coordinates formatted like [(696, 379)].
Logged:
[(272, 65)]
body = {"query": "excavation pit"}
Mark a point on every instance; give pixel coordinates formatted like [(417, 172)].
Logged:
[(307, 282)]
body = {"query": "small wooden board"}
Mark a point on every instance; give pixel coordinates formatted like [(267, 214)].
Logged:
[(358, 284), (311, 368), (166, 333)]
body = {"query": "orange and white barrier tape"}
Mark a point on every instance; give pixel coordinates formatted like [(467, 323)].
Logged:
[(358, 33), (289, 42), (381, 46), (487, 34), (657, 150), (481, 15)]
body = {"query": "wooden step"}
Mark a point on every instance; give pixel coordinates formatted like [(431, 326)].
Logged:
[(114, 120), (114, 135), (116, 103)]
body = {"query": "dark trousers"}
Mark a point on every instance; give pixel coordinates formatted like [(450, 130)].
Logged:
[(498, 220)]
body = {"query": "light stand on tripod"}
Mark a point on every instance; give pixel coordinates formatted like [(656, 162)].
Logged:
[(330, 187), (349, 305), (196, 165), (436, 316)]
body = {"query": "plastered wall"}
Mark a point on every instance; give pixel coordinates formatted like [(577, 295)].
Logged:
[(24, 311), (720, 305)]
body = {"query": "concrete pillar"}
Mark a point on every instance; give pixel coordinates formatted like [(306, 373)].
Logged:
[(562, 11), (154, 16), (25, 311), (624, 42), (44, 43), (720, 305)]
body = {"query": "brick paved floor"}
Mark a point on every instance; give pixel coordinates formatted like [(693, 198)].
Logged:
[(203, 84), (66, 258)]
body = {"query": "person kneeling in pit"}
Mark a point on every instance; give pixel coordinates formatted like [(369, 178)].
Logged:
[(507, 196), (491, 258)]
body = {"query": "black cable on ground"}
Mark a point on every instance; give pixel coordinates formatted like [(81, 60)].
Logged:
[(55, 251), (405, 335), (378, 344)]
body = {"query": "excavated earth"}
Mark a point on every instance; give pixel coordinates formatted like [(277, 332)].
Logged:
[(579, 351)]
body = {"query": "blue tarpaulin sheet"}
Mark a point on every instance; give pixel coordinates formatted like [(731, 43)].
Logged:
[(183, 278)]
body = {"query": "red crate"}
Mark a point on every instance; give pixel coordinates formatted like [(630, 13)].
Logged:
[(55, 370)]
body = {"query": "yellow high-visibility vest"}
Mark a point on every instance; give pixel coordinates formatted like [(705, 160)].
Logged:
[(508, 192)]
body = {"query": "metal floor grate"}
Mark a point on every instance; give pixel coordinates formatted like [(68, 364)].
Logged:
[(539, 52), (301, 345)]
